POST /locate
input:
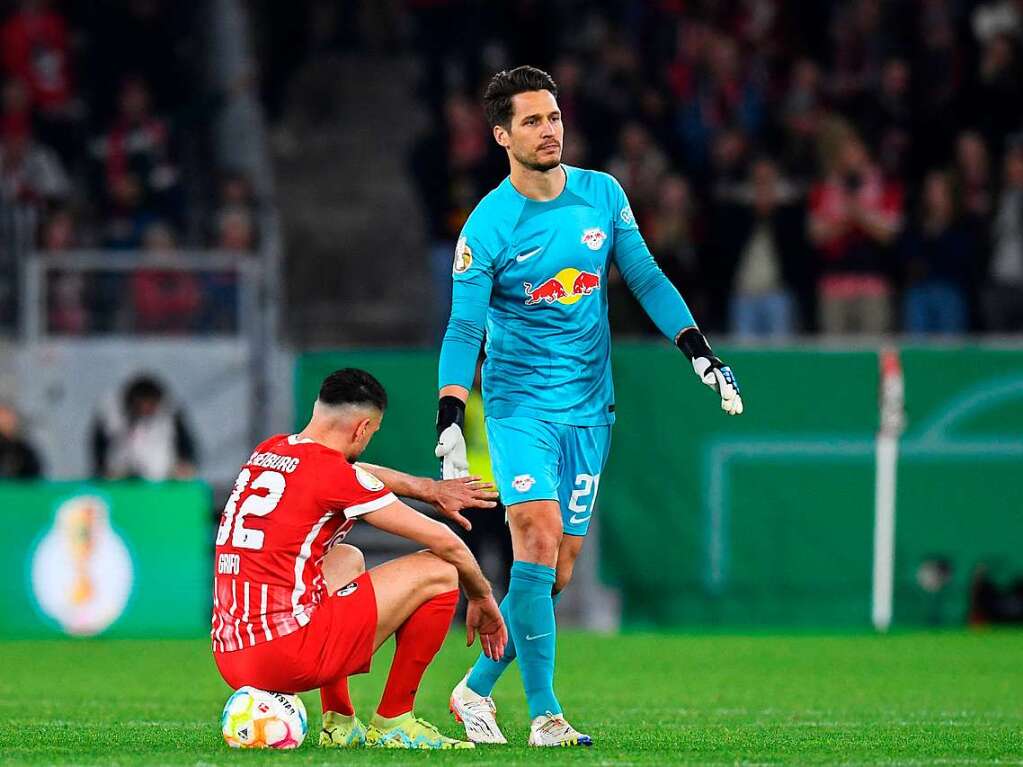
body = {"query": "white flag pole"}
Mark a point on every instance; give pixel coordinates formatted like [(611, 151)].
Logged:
[(892, 422)]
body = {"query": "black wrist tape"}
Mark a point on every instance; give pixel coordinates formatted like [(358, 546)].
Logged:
[(450, 410), (692, 344)]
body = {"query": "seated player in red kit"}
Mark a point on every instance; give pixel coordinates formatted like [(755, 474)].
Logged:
[(294, 608)]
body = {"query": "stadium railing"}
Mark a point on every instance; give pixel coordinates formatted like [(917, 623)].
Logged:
[(107, 293)]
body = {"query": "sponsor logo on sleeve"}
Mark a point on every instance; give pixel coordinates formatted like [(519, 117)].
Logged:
[(627, 216), (367, 480), (463, 256)]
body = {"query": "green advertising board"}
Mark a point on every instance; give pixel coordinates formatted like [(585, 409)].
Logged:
[(767, 519), (119, 559)]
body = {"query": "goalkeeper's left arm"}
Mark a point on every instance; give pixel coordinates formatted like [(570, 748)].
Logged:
[(665, 306)]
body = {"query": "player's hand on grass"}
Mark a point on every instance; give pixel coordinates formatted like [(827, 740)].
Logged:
[(710, 369), (483, 617), (451, 496), (454, 464)]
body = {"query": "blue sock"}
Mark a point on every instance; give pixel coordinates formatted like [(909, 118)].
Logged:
[(531, 610), (486, 672)]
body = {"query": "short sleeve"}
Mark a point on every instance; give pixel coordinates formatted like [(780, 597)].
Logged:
[(356, 491)]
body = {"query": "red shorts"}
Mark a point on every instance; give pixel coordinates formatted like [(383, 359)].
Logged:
[(337, 642)]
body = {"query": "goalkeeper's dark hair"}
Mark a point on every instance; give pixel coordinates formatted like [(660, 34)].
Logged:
[(352, 386), (497, 100)]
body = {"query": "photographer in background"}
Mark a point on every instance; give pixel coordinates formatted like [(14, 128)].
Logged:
[(142, 435), (18, 459)]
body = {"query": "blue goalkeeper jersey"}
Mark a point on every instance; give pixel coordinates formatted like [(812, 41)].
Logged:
[(533, 276)]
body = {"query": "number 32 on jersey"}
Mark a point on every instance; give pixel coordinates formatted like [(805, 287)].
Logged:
[(255, 505)]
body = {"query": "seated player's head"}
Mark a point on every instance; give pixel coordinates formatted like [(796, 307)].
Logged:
[(349, 410), (521, 105)]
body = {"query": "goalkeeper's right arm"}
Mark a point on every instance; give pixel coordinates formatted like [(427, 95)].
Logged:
[(454, 462), (472, 283)]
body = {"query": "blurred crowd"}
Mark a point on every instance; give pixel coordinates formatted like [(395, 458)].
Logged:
[(102, 146), (840, 166)]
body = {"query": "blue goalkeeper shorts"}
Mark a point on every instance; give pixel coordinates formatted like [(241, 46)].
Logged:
[(537, 460)]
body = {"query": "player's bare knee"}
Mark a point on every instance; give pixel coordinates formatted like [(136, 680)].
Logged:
[(437, 575), (353, 557), (542, 543), (342, 565), (448, 580), (539, 537)]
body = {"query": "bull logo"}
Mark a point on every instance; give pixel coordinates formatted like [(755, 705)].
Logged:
[(566, 287)]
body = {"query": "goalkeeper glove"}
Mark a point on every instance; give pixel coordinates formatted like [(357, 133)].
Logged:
[(450, 441), (710, 369)]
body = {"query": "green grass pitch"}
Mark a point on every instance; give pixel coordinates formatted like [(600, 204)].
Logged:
[(913, 699)]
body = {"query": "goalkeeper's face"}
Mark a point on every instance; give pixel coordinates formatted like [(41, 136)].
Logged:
[(535, 135)]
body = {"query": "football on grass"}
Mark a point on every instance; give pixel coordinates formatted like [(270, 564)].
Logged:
[(255, 718)]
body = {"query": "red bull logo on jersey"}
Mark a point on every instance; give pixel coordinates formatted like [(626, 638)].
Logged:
[(566, 287)]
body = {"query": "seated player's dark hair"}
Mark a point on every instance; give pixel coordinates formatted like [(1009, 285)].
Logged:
[(352, 386), (497, 100)]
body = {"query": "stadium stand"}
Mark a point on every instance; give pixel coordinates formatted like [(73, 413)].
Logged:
[(855, 103)]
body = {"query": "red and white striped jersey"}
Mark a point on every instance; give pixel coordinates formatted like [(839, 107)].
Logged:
[(292, 501)]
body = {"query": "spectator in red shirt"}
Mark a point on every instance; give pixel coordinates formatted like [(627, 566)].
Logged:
[(855, 214), (36, 48), (138, 143), (166, 301)]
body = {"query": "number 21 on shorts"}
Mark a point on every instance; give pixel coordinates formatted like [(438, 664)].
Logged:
[(581, 502)]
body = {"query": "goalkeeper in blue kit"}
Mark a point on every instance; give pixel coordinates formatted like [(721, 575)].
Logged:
[(530, 275)]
